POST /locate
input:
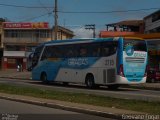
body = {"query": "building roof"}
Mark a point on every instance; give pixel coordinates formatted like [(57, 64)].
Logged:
[(60, 28), (129, 23), (156, 12), (104, 34)]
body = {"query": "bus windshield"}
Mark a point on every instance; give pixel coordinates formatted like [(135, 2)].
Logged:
[(134, 59), (36, 56)]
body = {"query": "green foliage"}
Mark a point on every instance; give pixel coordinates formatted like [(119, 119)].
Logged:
[(135, 105)]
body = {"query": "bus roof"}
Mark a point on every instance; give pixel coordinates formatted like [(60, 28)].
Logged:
[(79, 40), (133, 38)]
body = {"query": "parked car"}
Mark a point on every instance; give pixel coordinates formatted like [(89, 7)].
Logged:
[(153, 75)]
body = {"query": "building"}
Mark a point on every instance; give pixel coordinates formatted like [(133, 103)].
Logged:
[(1, 43), (64, 33), (152, 22), (149, 29), (20, 39), (123, 28)]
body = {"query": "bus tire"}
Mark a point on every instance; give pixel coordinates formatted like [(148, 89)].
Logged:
[(44, 78), (90, 81), (113, 87)]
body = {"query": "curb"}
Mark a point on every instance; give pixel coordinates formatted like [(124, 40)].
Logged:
[(67, 108), (134, 87), (144, 88), (17, 78)]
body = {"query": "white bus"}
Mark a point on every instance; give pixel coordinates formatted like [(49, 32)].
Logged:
[(94, 62)]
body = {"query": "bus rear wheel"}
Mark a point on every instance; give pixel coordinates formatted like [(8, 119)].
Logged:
[(90, 81)]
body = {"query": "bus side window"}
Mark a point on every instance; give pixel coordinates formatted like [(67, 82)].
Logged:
[(57, 52), (105, 51), (95, 50), (108, 48), (53, 51), (113, 48), (68, 51), (83, 52), (43, 57)]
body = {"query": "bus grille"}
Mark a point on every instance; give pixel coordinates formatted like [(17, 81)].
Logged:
[(111, 75), (135, 60)]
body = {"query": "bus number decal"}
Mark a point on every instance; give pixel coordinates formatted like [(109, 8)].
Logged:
[(109, 62)]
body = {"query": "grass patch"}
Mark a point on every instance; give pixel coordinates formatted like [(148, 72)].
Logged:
[(135, 105)]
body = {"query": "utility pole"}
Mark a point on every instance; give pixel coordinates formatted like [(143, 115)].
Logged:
[(91, 27), (55, 21)]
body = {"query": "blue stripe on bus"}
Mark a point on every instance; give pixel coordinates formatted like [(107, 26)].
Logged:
[(54, 65)]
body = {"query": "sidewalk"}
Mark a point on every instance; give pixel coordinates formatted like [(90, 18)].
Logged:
[(13, 74)]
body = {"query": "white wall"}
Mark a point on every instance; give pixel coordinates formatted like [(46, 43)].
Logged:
[(14, 53)]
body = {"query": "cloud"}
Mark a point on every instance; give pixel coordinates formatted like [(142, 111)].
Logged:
[(82, 33)]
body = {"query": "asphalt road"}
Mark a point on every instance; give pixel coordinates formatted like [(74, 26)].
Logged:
[(21, 111), (125, 93)]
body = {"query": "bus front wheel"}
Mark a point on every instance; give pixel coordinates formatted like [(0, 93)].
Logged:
[(90, 81)]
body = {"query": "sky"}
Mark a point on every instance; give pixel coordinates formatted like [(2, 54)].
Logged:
[(75, 14)]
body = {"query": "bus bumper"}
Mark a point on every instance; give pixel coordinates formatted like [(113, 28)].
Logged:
[(124, 80)]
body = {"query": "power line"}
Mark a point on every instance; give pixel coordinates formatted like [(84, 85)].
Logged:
[(87, 12), (22, 6), (145, 9), (44, 6), (32, 18)]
